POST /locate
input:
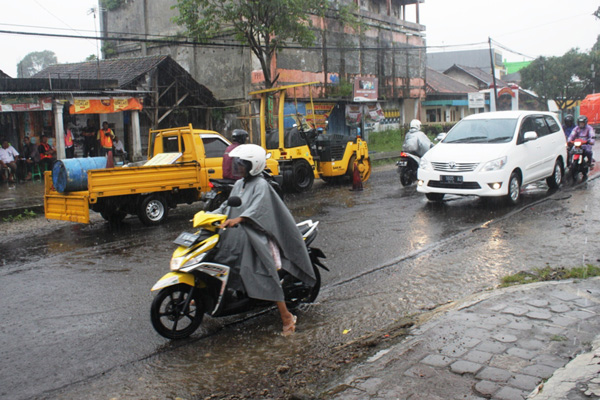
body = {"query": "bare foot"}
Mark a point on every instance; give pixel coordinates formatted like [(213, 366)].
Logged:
[(290, 327)]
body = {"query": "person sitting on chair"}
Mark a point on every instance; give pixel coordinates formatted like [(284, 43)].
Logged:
[(29, 157), (8, 160), (47, 153)]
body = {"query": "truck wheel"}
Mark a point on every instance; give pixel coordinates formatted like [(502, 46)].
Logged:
[(303, 176), (153, 210), (113, 216)]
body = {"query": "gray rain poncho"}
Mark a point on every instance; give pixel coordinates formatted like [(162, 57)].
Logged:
[(246, 248), (416, 142)]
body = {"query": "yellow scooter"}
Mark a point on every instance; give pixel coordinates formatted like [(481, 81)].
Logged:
[(196, 285)]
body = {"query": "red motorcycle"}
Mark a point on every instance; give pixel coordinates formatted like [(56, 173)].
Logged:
[(578, 162)]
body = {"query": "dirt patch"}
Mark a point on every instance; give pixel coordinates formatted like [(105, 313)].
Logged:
[(296, 379)]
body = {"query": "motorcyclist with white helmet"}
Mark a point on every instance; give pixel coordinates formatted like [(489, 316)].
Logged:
[(268, 240), (416, 142)]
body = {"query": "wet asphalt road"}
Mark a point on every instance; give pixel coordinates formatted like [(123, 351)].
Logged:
[(76, 298)]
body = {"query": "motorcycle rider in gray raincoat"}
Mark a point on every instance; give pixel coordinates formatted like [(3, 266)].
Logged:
[(416, 142), (265, 237)]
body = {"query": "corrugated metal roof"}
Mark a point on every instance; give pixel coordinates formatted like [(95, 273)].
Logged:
[(478, 74), (439, 83), (123, 70), (131, 73)]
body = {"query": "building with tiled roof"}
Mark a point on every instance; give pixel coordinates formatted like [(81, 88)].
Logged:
[(447, 98)]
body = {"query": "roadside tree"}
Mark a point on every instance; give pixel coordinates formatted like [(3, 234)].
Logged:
[(34, 62), (564, 79), (266, 26)]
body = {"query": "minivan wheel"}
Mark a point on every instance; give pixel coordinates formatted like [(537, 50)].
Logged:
[(555, 179), (514, 189)]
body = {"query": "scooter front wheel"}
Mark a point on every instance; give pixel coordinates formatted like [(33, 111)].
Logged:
[(174, 314)]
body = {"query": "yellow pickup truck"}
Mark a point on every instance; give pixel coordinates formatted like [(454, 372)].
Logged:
[(180, 163)]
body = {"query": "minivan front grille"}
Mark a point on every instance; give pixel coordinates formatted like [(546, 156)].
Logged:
[(454, 167), (461, 185)]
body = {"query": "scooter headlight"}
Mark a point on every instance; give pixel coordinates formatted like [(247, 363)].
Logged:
[(494, 165), (194, 260), (176, 263)]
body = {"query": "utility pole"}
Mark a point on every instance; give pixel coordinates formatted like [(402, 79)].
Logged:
[(493, 75)]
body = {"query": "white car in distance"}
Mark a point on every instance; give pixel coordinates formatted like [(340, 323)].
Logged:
[(495, 154)]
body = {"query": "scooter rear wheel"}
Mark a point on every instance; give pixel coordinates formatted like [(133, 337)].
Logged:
[(406, 176), (297, 292), (170, 316)]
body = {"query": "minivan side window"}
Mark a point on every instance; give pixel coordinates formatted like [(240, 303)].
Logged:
[(552, 124), (540, 126), (526, 126)]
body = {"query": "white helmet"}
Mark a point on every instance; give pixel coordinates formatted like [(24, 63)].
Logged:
[(255, 155), (415, 123)]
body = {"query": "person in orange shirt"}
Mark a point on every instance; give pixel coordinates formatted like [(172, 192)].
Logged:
[(69, 145), (47, 154), (105, 138)]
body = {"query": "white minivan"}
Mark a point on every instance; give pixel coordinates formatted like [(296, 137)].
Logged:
[(495, 154)]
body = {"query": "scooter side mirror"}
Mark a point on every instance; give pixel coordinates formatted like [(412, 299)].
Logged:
[(234, 201)]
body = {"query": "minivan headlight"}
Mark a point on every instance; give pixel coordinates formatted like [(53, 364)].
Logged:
[(495, 165), (424, 164)]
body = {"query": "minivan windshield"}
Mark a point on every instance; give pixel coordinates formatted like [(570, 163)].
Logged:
[(482, 131)]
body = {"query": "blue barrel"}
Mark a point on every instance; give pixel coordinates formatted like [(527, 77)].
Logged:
[(70, 175)]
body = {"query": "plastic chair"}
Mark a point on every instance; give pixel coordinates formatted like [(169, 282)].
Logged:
[(36, 171)]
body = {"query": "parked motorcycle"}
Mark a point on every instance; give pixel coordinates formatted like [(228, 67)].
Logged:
[(407, 168), (578, 164), (221, 188), (197, 285)]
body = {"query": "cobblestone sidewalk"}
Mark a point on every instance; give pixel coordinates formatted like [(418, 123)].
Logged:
[(499, 345)]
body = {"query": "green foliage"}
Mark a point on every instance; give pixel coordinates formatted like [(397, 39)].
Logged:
[(19, 217), (109, 49), (264, 25), (342, 90), (432, 130), (550, 274), (34, 62), (564, 79), (91, 57), (111, 5)]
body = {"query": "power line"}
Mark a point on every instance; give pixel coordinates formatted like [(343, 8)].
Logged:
[(510, 50), (168, 40)]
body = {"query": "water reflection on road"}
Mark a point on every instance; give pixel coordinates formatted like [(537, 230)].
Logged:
[(390, 251)]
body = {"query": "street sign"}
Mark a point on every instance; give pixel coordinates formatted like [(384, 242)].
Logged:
[(476, 100)]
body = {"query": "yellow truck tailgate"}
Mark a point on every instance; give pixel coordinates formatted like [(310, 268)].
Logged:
[(73, 206)]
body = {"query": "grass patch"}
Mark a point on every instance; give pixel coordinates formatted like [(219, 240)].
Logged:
[(19, 217), (390, 140), (550, 274), (558, 338)]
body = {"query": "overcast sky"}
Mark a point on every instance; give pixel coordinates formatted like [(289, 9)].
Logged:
[(529, 27)]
